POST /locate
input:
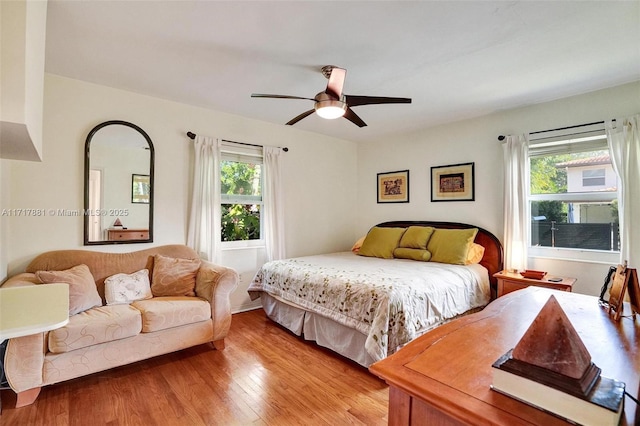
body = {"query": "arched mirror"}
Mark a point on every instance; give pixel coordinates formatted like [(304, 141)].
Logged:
[(118, 185)]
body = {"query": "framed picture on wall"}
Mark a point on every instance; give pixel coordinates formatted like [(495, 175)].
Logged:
[(393, 187), (453, 183), (140, 189)]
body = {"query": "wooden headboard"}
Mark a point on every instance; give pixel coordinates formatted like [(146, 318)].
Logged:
[(493, 255)]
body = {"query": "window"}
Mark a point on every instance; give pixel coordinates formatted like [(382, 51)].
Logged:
[(573, 193), (594, 177), (241, 192)]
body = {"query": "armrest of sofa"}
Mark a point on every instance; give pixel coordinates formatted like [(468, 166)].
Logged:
[(24, 359), (21, 280), (215, 283)]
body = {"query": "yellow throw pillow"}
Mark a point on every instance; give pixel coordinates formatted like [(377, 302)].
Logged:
[(380, 242), (451, 245), (357, 245), (174, 276), (416, 237), (83, 293), (412, 253), (476, 251)]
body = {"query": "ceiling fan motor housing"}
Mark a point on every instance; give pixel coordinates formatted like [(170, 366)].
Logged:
[(328, 107)]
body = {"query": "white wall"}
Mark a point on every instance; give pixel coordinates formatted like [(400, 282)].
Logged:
[(475, 140), (4, 229), (23, 33), (320, 208)]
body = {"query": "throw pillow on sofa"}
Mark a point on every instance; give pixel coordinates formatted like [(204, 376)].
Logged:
[(173, 276), (127, 288), (83, 293)]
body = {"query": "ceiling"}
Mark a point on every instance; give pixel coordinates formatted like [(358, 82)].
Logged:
[(456, 59)]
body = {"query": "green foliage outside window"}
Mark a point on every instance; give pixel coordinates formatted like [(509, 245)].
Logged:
[(240, 222), (552, 210), (614, 211), (240, 182), (546, 178)]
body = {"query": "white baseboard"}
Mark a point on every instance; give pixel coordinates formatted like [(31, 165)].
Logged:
[(247, 307)]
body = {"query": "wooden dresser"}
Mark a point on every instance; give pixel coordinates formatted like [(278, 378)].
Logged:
[(127, 234), (444, 376)]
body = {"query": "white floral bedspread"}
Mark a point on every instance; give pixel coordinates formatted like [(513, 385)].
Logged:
[(391, 301)]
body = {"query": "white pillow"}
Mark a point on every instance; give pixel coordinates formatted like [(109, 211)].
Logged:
[(126, 288)]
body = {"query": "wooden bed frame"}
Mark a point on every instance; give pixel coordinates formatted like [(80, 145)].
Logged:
[(493, 258)]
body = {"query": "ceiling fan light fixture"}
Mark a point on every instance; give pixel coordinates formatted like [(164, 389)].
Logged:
[(330, 109)]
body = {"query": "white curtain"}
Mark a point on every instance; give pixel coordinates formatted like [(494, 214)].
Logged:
[(623, 137), (273, 203), (204, 234), (516, 218)]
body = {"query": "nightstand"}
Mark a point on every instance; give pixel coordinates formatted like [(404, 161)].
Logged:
[(512, 281)]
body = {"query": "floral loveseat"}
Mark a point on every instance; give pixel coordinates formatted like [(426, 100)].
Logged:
[(124, 307)]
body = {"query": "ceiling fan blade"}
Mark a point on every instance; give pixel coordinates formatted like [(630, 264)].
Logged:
[(261, 95), (353, 117), (372, 100), (336, 82), (300, 117)]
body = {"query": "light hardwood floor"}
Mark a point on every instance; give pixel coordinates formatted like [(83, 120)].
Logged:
[(265, 376)]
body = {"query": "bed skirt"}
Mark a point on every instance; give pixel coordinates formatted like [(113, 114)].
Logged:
[(325, 332)]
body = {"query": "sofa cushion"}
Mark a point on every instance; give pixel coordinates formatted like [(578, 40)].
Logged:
[(161, 313), (174, 277), (103, 265), (83, 294), (94, 326)]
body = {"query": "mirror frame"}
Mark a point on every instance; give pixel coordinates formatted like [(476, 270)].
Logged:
[(87, 152)]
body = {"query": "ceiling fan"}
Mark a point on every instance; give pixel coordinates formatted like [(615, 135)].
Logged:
[(332, 103)]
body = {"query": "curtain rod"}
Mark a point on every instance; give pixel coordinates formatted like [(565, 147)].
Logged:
[(192, 135), (502, 137)]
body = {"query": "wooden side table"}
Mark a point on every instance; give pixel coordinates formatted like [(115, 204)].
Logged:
[(512, 281), (444, 376)]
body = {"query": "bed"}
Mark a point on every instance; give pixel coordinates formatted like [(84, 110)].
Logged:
[(366, 307)]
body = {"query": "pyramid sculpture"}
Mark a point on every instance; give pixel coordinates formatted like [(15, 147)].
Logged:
[(552, 343), (552, 355)]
